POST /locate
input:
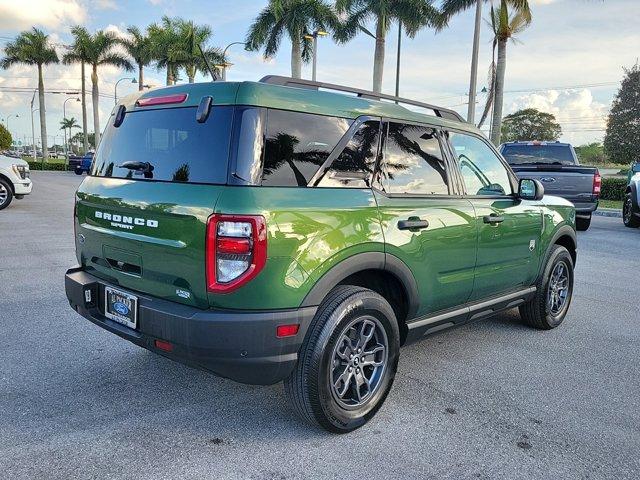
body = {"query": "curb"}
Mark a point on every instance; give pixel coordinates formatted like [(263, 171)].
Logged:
[(608, 212)]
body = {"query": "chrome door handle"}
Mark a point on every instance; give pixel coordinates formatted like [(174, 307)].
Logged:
[(493, 219), (413, 224)]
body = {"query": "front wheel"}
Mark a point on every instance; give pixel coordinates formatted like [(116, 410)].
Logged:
[(6, 194), (583, 223), (553, 294), (78, 171), (629, 219), (348, 361)]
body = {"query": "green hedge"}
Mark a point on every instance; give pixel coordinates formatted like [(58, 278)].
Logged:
[(613, 188), (47, 166)]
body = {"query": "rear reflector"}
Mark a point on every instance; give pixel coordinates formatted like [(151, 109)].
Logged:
[(163, 345), (167, 99), (287, 330)]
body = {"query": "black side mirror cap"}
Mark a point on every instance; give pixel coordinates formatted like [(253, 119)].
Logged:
[(530, 189)]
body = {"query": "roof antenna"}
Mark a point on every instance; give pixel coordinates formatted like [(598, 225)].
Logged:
[(206, 62)]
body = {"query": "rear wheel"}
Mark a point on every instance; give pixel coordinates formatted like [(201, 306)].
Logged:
[(348, 360), (629, 219), (78, 171), (553, 294), (583, 223), (6, 194)]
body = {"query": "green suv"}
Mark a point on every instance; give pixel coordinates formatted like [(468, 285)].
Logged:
[(298, 231)]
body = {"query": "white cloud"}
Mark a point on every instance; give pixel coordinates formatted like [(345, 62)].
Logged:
[(16, 15), (106, 5), (581, 117)]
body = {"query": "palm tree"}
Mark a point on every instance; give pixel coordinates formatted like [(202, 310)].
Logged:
[(98, 50), (295, 18), (78, 53), (505, 26), (68, 124), (412, 14), (452, 7), (32, 47), (138, 46), (192, 38), (164, 38)]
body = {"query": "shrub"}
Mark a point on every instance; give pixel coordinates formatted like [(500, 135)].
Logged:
[(613, 188), (47, 166)]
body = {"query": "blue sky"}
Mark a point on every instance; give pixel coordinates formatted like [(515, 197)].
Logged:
[(568, 62)]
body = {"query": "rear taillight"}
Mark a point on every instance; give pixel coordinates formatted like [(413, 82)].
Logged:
[(597, 183), (236, 250)]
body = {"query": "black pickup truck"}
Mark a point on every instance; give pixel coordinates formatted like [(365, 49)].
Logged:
[(556, 165)]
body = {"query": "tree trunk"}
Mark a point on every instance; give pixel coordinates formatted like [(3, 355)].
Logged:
[(168, 82), (496, 122), (84, 110), (296, 57), (43, 116), (96, 106), (140, 76), (378, 57)]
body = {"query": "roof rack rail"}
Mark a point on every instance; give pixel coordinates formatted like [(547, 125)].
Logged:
[(301, 83)]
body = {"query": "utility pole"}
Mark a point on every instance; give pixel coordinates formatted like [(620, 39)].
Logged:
[(471, 112)]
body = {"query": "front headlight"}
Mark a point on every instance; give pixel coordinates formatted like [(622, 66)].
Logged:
[(20, 170)]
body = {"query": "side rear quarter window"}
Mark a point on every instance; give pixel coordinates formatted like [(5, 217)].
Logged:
[(413, 162), (354, 166), (297, 144), (482, 170)]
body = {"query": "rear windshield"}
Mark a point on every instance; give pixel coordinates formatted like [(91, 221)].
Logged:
[(167, 145), (538, 154)]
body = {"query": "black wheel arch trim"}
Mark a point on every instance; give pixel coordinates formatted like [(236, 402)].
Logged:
[(9, 182), (562, 231), (366, 261)]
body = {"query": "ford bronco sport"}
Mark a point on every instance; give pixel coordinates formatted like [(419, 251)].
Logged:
[(284, 230)]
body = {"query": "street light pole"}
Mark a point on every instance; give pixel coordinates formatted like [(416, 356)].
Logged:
[(471, 111), (115, 89), (314, 36), (33, 132), (6, 122), (224, 65), (398, 59)]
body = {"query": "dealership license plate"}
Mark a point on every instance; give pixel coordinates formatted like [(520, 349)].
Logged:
[(121, 307)]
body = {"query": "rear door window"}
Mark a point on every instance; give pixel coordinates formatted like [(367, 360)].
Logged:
[(167, 145), (297, 144), (413, 162)]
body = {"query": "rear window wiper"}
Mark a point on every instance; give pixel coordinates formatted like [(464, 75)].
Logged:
[(145, 167)]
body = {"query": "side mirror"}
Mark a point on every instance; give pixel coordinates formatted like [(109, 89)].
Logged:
[(530, 189)]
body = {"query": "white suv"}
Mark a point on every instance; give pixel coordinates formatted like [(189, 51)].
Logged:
[(14, 180)]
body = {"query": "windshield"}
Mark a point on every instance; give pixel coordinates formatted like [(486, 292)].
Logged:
[(167, 145), (538, 154)]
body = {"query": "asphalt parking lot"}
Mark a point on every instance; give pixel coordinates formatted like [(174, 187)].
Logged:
[(490, 400)]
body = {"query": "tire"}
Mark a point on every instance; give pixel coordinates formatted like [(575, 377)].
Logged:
[(582, 224), (78, 171), (6, 194), (324, 360), (540, 312), (629, 219)]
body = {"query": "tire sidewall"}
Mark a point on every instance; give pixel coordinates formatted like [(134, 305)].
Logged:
[(360, 304), (7, 187), (559, 254)]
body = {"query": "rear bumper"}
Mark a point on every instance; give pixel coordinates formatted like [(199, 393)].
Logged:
[(240, 345), (584, 209)]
